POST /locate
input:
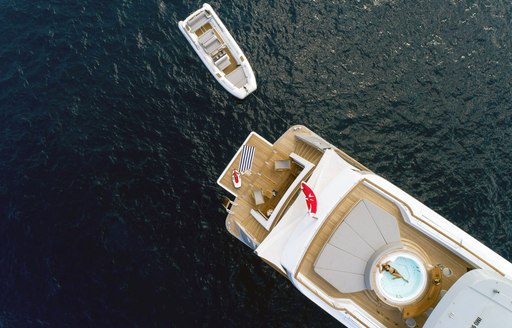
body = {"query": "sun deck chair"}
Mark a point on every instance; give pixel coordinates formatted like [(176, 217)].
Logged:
[(257, 194), (282, 165), (246, 159)]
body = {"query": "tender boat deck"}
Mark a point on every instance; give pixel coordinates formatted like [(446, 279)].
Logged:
[(218, 51), (225, 50)]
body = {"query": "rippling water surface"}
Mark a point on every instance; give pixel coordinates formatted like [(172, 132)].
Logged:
[(113, 134)]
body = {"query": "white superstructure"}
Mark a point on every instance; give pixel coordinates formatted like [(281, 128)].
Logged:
[(373, 256), (481, 298)]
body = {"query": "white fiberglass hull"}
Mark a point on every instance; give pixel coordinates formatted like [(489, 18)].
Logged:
[(219, 52)]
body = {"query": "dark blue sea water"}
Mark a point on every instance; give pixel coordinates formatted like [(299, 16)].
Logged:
[(113, 134)]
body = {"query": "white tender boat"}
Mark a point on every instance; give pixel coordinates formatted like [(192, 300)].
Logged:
[(372, 255), (219, 51)]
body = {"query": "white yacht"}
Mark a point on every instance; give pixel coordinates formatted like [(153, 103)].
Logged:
[(219, 51), (359, 247)]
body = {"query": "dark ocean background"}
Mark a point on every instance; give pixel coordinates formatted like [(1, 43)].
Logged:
[(113, 134)]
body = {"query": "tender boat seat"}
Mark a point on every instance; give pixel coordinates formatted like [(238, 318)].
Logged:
[(212, 44), (197, 22), (223, 62), (206, 36)]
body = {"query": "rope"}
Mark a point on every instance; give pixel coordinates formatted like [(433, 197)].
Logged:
[(273, 111)]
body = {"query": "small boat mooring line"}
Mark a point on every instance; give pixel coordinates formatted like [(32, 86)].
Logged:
[(272, 110)]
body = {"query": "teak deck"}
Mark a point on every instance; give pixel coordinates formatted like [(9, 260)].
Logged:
[(431, 251), (265, 177)]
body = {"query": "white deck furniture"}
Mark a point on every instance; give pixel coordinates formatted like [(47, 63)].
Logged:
[(257, 194), (282, 165)]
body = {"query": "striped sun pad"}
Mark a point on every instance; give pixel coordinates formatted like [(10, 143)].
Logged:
[(246, 159)]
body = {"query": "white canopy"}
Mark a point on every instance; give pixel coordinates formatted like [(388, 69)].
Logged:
[(331, 180)]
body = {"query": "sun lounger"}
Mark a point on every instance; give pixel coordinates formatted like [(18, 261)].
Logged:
[(246, 159), (258, 196), (282, 165)]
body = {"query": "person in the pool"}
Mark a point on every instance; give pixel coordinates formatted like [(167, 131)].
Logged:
[(394, 272)]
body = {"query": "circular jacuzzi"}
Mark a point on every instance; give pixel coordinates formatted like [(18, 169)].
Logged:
[(401, 278)]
